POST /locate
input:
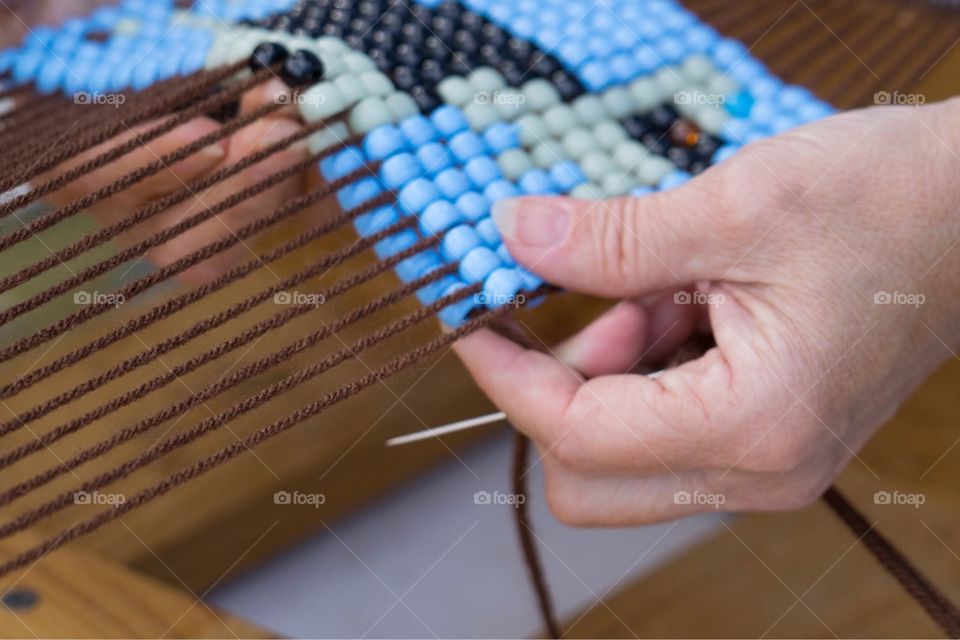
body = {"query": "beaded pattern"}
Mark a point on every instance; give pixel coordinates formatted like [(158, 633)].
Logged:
[(463, 103)]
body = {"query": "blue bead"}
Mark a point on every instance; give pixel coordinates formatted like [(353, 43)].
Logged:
[(573, 53), (452, 183), (736, 129), (765, 87), (396, 243), (624, 67), (144, 75), (376, 221), (537, 182), (432, 292), (482, 170), (466, 145), (671, 49), (418, 130), (500, 189), (489, 232), (746, 69), (454, 314), (647, 61), (383, 142), (501, 136), (439, 216), (740, 104), (359, 192), (478, 263), (783, 123), (764, 111), (434, 157), (641, 191), (673, 180), (567, 175), (792, 96), (595, 75), (418, 193), (473, 205), (449, 120), (341, 163), (501, 287), (398, 170), (459, 241), (50, 75), (531, 282), (727, 51), (417, 265)]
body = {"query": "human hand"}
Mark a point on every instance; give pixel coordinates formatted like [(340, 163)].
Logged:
[(824, 261), (258, 135)]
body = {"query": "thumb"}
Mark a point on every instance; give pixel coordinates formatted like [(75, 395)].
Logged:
[(619, 247)]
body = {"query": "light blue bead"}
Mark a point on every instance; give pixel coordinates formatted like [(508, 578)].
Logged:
[(193, 61), (144, 75), (359, 192), (396, 243), (439, 216), (641, 191), (736, 129), (501, 136), (728, 51), (505, 255), (26, 66), (740, 104), (383, 142), (531, 282), (473, 205), (567, 175), (813, 111), (449, 120), (673, 180), (416, 266), (671, 49), (376, 221), (418, 130), (537, 182), (466, 145), (455, 314), (500, 189), (792, 96), (700, 38), (595, 75), (764, 111), (434, 157), (745, 70), (482, 170), (50, 75), (341, 163), (487, 229), (478, 263), (501, 287), (396, 171), (432, 292), (459, 241), (418, 193), (783, 123), (452, 183), (601, 46), (764, 87), (573, 53), (99, 79), (647, 60), (625, 67)]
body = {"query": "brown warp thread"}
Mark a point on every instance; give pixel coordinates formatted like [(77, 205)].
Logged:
[(140, 140), (127, 434), (135, 288), (213, 423), (182, 301), (169, 344), (207, 463), (100, 236)]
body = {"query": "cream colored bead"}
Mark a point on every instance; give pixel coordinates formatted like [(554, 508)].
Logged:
[(652, 168)]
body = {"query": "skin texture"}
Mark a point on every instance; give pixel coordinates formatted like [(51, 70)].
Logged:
[(786, 246)]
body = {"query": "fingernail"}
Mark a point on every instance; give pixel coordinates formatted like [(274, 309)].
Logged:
[(214, 151), (541, 222)]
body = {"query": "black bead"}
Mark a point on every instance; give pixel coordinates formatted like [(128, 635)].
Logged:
[(432, 71), (302, 68), (333, 29), (407, 54), (681, 157), (405, 78), (654, 143), (663, 116), (424, 98), (460, 65), (706, 146), (698, 167), (267, 55)]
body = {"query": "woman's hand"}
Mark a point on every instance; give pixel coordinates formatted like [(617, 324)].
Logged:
[(826, 263)]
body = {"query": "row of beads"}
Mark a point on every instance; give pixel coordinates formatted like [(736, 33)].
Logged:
[(417, 46)]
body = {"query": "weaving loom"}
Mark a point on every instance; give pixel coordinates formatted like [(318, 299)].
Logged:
[(418, 116)]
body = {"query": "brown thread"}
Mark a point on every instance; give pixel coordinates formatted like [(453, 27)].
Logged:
[(213, 423), (203, 326), (182, 301), (135, 288), (97, 238), (124, 435)]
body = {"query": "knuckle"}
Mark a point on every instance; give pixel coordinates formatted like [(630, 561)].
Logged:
[(785, 450), (615, 239)]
